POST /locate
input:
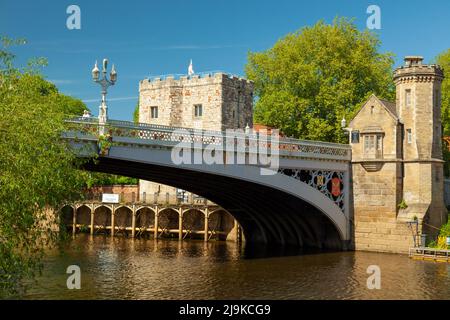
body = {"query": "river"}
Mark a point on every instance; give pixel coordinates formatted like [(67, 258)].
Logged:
[(120, 268)]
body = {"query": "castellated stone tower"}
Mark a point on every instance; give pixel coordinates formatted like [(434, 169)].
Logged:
[(397, 162), (418, 101), (212, 102)]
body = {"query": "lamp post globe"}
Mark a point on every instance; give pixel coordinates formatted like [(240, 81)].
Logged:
[(95, 72)]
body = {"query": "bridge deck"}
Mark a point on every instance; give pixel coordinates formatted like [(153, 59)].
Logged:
[(149, 134)]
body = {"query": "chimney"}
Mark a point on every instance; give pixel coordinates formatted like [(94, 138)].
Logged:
[(412, 61)]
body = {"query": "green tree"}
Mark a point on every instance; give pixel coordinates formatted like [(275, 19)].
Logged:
[(443, 60), (37, 169), (136, 113), (103, 179), (311, 78)]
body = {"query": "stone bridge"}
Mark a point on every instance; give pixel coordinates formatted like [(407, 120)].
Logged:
[(304, 200)]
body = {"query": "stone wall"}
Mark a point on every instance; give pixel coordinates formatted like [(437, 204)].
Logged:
[(375, 202)]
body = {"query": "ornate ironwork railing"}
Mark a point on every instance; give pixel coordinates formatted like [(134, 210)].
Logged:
[(330, 183), (141, 133)]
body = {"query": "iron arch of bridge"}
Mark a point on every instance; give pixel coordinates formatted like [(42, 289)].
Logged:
[(271, 209)]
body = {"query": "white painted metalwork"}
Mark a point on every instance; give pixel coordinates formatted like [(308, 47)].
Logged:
[(148, 134)]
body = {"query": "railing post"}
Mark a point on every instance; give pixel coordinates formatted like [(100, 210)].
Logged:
[(180, 224), (92, 220), (206, 224), (144, 197), (133, 222), (74, 221), (155, 231), (112, 221)]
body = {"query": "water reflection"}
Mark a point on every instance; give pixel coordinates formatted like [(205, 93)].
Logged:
[(146, 269)]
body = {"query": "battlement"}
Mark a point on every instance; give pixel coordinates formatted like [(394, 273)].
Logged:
[(414, 68), (204, 78)]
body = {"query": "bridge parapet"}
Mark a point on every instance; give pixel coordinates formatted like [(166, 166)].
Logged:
[(149, 134)]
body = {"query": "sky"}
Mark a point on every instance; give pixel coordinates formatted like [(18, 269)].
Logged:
[(156, 37)]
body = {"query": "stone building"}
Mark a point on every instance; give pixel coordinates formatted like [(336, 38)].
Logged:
[(397, 162), (210, 101)]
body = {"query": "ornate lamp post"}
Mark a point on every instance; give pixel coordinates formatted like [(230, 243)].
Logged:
[(348, 130), (105, 83)]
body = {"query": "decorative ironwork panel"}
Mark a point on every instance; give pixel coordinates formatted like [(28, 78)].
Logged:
[(330, 183), (142, 131)]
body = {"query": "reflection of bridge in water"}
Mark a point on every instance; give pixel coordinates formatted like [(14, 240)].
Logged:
[(157, 220), (305, 203)]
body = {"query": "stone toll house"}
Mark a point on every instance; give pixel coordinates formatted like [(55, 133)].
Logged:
[(397, 162)]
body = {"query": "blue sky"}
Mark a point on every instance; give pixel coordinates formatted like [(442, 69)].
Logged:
[(156, 37)]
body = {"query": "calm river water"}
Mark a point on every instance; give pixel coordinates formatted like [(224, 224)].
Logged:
[(120, 268)]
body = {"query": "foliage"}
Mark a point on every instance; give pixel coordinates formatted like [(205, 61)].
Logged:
[(446, 157), (313, 77), (105, 143), (441, 242), (444, 61), (445, 229), (102, 179), (136, 113), (37, 169), (403, 205)]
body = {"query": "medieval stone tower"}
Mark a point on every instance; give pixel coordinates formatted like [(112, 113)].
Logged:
[(418, 100), (397, 162), (211, 102)]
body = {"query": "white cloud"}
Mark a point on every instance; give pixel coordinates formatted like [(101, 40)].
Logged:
[(61, 81)]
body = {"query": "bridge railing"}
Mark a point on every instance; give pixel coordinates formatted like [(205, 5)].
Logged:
[(164, 198), (142, 133)]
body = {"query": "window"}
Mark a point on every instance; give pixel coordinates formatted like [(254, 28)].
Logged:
[(379, 143), (409, 135), (355, 136), (408, 97), (198, 110), (369, 144), (154, 112), (373, 146)]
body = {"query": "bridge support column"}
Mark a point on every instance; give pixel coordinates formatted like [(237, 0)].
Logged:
[(133, 222), (92, 220), (112, 220), (155, 231), (180, 224), (206, 224), (74, 221)]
